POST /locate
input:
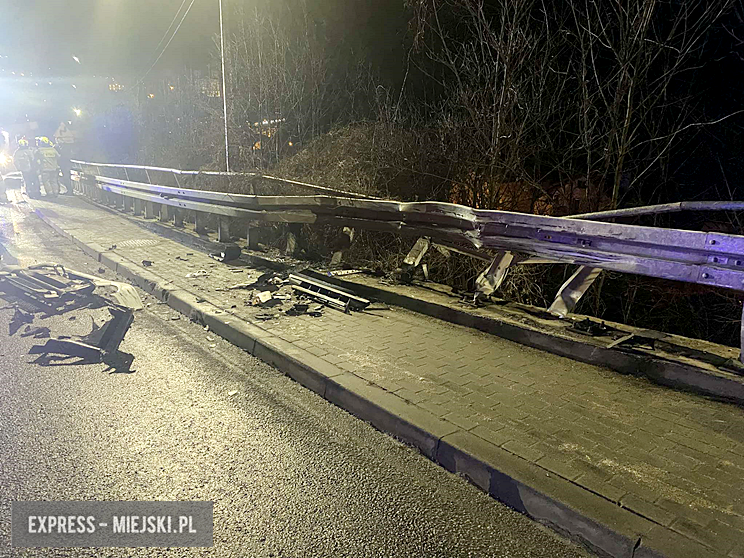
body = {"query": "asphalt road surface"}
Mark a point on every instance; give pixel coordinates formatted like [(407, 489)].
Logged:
[(198, 419)]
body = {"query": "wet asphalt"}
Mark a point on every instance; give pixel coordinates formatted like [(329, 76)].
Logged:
[(198, 419)]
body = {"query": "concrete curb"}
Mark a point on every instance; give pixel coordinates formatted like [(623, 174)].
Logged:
[(599, 524)]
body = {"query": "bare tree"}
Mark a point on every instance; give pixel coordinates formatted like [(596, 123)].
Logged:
[(590, 93)]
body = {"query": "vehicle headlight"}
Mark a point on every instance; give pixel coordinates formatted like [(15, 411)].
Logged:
[(5, 160)]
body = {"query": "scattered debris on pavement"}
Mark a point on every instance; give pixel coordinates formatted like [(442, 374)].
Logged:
[(49, 287), (146, 263), (200, 273), (49, 290)]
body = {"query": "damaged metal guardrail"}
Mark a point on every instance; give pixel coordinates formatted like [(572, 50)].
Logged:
[(505, 238)]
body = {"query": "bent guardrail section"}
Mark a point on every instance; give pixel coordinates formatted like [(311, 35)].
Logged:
[(505, 238)]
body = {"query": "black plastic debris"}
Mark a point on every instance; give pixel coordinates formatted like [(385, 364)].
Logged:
[(229, 253), (146, 263), (69, 348), (591, 328), (95, 347), (298, 309)]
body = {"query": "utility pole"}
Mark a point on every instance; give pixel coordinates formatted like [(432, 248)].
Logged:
[(224, 89)]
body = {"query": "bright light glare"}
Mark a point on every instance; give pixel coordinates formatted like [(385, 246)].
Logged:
[(77, 111), (76, 59)]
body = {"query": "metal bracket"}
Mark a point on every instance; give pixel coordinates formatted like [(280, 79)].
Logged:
[(417, 252), (493, 276), (572, 290), (345, 238)]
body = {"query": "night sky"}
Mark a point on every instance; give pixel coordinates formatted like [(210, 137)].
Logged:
[(109, 36)]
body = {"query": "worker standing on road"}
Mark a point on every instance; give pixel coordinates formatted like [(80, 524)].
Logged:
[(25, 161), (49, 158), (64, 139)]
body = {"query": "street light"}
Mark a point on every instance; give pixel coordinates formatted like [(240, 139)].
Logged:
[(77, 111), (224, 89)]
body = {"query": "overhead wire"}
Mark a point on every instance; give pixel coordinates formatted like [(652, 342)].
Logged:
[(175, 32), (175, 17)]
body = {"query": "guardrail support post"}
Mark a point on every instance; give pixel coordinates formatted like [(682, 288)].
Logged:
[(200, 225), (89, 184), (223, 230), (572, 290), (178, 217), (251, 237), (164, 213), (292, 235), (127, 204), (137, 207), (149, 210)]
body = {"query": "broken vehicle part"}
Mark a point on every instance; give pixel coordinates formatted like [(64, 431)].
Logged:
[(70, 348), (592, 328), (125, 295), (109, 337), (52, 289), (327, 293)]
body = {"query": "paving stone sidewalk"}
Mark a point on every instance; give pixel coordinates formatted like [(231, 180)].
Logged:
[(674, 458)]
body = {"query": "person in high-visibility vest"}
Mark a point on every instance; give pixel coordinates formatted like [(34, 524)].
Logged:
[(25, 161), (64, 139), (49, 159)]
